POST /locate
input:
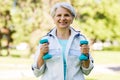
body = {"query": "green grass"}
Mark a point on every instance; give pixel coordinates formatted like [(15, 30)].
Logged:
[(100, 58), (106, 57), (103, 77), (15, 60), (16, 53)]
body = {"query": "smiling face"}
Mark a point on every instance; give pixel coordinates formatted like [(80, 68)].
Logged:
[(63, 18)]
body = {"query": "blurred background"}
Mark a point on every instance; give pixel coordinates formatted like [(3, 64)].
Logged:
[(24, 22)]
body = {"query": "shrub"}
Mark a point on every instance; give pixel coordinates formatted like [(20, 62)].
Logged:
[(112, 48)]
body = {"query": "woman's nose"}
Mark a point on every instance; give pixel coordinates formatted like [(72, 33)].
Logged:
[(62, 18)]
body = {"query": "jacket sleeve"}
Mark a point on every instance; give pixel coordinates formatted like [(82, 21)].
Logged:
[(37, 71), (86, 71)]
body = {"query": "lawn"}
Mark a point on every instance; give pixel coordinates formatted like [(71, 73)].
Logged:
[(106, 57), (109, 63), (21, 67)]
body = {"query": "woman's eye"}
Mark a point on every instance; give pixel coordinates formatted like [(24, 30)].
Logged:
[(59, 15), (67, 15)]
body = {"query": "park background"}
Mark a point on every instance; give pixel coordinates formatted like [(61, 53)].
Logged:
[(24, 22)]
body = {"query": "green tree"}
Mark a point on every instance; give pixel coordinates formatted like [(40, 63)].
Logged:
[(99, 19)]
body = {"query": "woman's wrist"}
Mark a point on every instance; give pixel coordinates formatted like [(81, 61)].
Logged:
[(40, 60)]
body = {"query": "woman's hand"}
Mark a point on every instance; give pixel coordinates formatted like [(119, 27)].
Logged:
[(85, 49), (44, 48)]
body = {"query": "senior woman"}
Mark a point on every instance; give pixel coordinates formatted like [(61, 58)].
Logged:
[(64, 49)]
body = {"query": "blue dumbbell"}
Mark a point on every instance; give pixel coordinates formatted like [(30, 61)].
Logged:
[(83, 56), (46, 56)]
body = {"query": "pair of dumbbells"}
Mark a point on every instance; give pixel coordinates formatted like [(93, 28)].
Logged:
[(82, 57)]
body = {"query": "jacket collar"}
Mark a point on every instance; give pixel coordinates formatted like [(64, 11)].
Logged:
[(73, 32)]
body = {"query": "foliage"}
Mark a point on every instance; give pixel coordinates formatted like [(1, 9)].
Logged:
[(97, 19), (112, 48)]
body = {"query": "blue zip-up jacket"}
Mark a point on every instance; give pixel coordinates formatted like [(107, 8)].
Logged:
[(53, 68)]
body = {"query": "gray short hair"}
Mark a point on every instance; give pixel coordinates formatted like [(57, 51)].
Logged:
[(64, 5)]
